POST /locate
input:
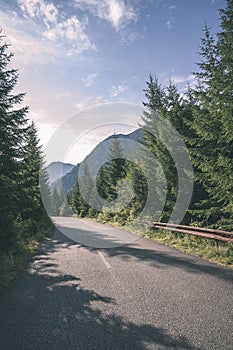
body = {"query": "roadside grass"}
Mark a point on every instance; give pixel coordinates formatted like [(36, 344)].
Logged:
[(220, 253), (13, 262)]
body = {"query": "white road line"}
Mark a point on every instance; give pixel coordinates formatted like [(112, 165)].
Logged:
[(125, 291), (106, 263)]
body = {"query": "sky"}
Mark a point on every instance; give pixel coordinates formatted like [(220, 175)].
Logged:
[(76, 56)]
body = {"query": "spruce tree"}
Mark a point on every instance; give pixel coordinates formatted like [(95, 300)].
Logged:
[(136, 176), (114, 170), (12, 124), (56, 201), (32, 185), (225, 160), (165, 104), (29, 171), (75, 200), (213, 120), (200, 201), (82, 194)]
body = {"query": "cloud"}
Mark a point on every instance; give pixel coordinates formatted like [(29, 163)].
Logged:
[(183, 82), (28, 48), (178, 79), (62, 94), (56, 28), (89, 101), (39, 33), (118, 89), (90, 79), (171, 19), (169, 24), (72, 31), (48, 13), (128, 36), (117, 12)]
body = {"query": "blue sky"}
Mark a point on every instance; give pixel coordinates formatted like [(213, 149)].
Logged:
[(80, 53)]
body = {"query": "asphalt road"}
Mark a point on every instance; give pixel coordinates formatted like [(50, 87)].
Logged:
[(138, 296)]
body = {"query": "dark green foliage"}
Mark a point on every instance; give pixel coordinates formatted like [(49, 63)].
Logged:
[(213, 120), (21, 210), (81, 200), (165, 104), (108, 177), (12, 124), (113, 171), (136, 176), (31, 206), (203, 118), (60, 204), (75, 199), (56, 202), (33, 182)]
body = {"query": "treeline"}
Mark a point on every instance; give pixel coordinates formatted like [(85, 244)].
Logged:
[(204, 118), (22, 214), (107, 184), (58, 202)]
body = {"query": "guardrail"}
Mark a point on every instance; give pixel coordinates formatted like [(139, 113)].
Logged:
[(218, 235)]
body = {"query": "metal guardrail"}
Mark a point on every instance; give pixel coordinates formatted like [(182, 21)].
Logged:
[(218, 235)]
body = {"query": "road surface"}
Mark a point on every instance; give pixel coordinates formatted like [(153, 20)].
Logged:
[(138, 296)]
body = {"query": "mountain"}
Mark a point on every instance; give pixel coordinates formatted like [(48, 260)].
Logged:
[(56, 170), (137, 135), (68, 181), (98, 156)]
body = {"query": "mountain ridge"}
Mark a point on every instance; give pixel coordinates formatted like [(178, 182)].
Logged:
[(57, 169), (68, 180)]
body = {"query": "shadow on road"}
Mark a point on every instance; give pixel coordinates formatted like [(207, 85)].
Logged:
[(157, 258), (50, 310), (160, 260)]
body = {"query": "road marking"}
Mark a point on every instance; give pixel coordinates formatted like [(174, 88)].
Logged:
[(106, 263), (111, 271)]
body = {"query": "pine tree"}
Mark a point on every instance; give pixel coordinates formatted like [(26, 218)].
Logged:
[(161, 103), (82, 200), (45, 189), (29, 171), (225, 160), (114, 170), (225, 49), (213, 119), (200, 201), (136, 176), (33, 182), (102, 182), (75, 200), (12, 123), (56, 202)]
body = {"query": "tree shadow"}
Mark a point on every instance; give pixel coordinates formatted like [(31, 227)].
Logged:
[(47, 309), (167, 257), (100, 236), (174, 258)]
